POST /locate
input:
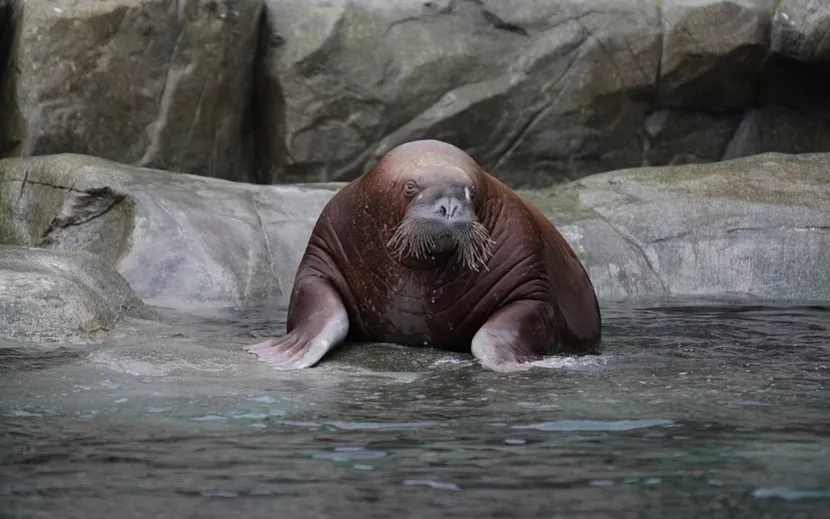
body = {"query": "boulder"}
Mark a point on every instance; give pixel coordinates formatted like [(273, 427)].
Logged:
[(157, 83), (777, 128), (535, 90), (176, 238), (792, 112), (59, 296), (756, 226)]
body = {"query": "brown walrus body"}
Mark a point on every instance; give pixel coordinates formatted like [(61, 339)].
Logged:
[(426, 249)]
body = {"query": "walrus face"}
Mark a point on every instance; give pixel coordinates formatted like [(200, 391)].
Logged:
[(440, 219)]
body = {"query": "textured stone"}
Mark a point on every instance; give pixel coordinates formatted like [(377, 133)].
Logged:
[(11, 123), (157, 83), (757, 226), (51, 296), (176, 238), (801, 30), (539, 92), (317, 90), (711, 53)]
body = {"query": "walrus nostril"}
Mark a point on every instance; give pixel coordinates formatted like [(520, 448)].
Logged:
[(448, 207)]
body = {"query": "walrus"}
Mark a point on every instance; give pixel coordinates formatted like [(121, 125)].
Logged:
[(427, 249)]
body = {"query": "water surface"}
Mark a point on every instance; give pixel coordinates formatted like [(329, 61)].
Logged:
[(695, 409)]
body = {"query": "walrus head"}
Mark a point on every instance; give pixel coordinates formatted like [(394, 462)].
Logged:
[(440, 217)]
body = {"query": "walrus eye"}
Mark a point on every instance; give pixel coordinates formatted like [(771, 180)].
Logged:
[(469, 193), (410, 188)]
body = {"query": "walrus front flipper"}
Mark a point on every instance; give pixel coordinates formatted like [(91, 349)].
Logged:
[(317, 322), (514, 336)]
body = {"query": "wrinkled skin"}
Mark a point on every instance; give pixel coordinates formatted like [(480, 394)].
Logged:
[(479, 269)]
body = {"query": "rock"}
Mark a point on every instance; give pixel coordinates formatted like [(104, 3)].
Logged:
[(800, 30), (710, 57), (794, 108), (777, 128), (538, 92), (11, 123), (52, 296), (157, 83), (178, 239), (711, 53), (757, 226)]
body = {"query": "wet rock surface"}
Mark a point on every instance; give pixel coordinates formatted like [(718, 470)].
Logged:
[(295, 90), (62, 296)]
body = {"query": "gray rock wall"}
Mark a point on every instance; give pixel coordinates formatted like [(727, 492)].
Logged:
[(158, 83), (312, 90)]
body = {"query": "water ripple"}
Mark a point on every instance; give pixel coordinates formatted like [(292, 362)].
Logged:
[(595, 425)]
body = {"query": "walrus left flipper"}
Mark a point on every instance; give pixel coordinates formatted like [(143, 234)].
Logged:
[(317, 323), (514, 336)]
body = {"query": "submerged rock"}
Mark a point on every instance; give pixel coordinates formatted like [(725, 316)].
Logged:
[(59, 296)]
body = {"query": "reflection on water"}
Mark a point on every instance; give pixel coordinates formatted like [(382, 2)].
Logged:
[(694, 409)]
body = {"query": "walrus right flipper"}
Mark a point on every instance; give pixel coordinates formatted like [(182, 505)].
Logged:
[(514, 336), (317, 322)]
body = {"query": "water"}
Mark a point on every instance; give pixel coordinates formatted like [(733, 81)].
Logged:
[(696, 409)]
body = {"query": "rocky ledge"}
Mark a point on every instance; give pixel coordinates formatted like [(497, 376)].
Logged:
[(757, 226)]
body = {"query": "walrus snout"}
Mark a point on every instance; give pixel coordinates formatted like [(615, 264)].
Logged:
[(440, 220), (450, 204)]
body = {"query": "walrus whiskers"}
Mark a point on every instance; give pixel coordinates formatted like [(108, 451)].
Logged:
[(474, 246), (410, 240), (414, 238)]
